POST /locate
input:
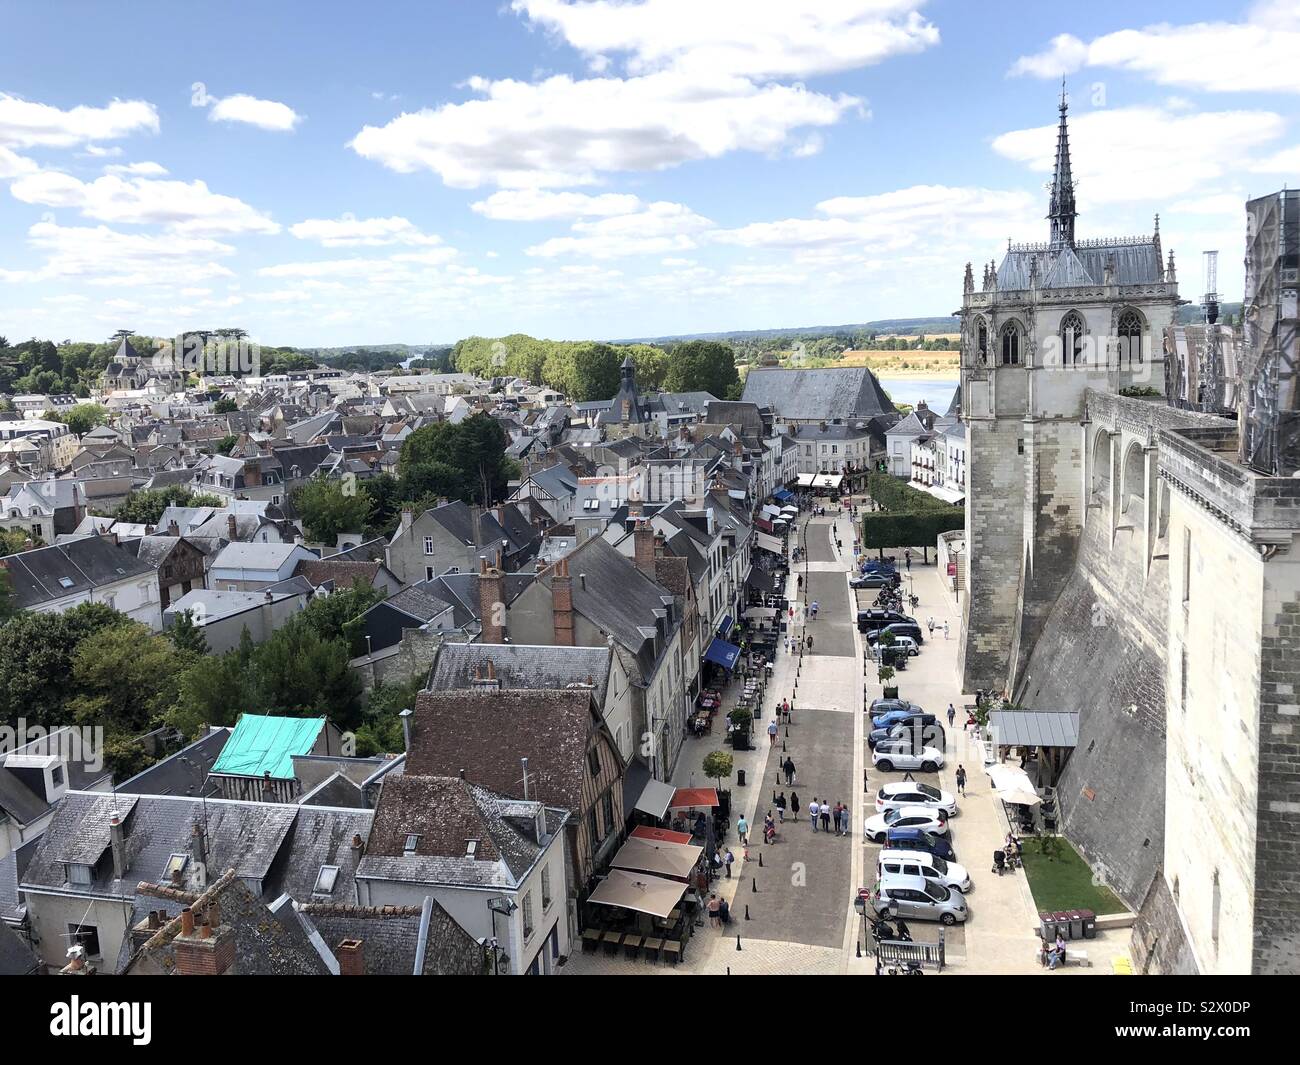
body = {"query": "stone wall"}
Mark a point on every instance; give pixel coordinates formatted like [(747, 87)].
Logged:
[(1159, 943)]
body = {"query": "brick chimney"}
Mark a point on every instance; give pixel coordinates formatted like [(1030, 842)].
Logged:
[(644, 541), (351, 956), (232, 529), (202, 948), (173, 529), (117, 841), (491, 603), (562, 604)]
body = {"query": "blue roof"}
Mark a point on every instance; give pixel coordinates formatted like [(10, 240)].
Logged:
[(261, 745)]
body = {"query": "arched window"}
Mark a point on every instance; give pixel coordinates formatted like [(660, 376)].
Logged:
[(1011, 344), (1130, 338), (982, 340), (1072, 333)]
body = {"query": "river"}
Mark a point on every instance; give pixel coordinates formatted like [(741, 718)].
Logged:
[(936, 391)]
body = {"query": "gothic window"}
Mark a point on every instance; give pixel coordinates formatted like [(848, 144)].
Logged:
[(1072, 334), (1130, 339), (1011, 341), (982, 341)]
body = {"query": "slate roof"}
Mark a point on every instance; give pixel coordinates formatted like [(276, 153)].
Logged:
[(46, 574), (183, 773), (390, 938), (486, 733), (1137, 262), (521, 666), (419, 601), (343, 573), (16, 957), (850, 392), (461, 591)]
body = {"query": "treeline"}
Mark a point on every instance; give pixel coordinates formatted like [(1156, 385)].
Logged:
[(827, 347), (589, 370), (907, 517)]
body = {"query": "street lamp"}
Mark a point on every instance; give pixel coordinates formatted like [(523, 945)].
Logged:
[(499, 904)]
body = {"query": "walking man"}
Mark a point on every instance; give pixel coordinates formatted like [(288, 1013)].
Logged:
[(930, 622), (780, 807), (727, 859), (742, 830), (813, 811), (952, 714), (907, 558), (826, 817), (945, 629), (771, 732), (788, 766), (961, 780)]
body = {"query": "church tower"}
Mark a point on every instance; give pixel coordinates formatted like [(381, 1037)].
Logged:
[(1049, 322)]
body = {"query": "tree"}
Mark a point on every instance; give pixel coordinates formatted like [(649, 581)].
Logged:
[(84, 417), (381, 731), (14, 540), (125, 678), (465, 461), (300, 674), (329, 507), (718, 764), (226, 444), (145, 506), (187, 636), (702, 366), (225, 405), (215, 690), (338, 616)]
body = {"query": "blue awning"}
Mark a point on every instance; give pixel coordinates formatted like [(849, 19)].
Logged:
[(724, 626), (722, 653), (783, 495)]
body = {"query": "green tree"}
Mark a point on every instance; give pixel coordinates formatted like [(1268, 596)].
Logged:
[(702, 366), (299, 674), (338, 616), (718, 764), (85, 417), (187, 636), (14, 540), (125, 678), (215, 689), (145, 506), (329, 507), (381, 729), (465, 461), (225, 405)]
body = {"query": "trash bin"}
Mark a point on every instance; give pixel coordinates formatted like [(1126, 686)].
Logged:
[(740, 778), (1089, 924), (1076, 924), (1046, 927), (1061, 918)]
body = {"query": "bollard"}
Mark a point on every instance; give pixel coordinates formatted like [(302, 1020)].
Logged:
[(754, 883), (760, 859), (737, 940), (746, 912)]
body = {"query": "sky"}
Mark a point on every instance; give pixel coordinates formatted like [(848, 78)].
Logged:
[(328, 174)]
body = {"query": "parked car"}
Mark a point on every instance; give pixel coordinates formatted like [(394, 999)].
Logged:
[(919, 863), (878, 825), (917, 898), (910, 793), (917, 839), (905, 642), (882, 617), (920, 731), (892, 754), (883, 706), (894, 717), (898, 628), (872, 565), (875, 580)]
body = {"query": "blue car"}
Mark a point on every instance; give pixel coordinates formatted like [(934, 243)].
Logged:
[(893, 717), (916, 839)]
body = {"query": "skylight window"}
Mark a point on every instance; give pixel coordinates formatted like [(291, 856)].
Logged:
[(471, 848), (412, 841), (175, 864), (66, 582), (325, 880)]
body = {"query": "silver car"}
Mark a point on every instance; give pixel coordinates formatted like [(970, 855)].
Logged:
[(917, 898)]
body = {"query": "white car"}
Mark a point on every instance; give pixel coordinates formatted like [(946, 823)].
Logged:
[(910, 793), (906, 643), (918, 863), (932, 821), (900, 754)]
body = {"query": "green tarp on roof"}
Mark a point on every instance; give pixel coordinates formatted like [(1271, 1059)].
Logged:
[(261, 745)]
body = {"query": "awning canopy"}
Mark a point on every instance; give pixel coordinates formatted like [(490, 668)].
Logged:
[(761, 612), (769, 543), (1034, 728), (651, 856), (806, 480), (783, 495), (654, 799), (828, 480), (948, 495), (1008, 779), (725, 625), (760, 580), (685, 797), (722, 653), (638, 891), (663, 835), (770, 511), (792, 511)]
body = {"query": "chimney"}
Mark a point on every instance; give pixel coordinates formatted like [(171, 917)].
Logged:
[(491, 603), (231, 529), (644, 540), (173, 529), (408, 516), (351, 958), (356, 841), (117, 838), (562, 604), (659, 545), (206, 948)]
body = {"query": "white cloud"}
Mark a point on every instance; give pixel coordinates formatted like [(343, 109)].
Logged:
[(183, 207), (560, 132), (264, 114), (405, 265), (103, 256), (348, 231), (659, 228), (1286, 161), (145, 169), (540, 205), (25, 124), (1145, 153), (14, 165), (747, 38), (1257, 55)]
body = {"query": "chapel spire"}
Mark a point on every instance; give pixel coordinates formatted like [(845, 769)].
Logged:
[(1061, 210)]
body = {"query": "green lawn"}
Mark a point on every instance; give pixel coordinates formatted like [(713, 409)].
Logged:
[(1064, 881)]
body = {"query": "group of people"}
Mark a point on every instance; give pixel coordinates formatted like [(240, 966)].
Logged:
[(837, 814), (932, 625)]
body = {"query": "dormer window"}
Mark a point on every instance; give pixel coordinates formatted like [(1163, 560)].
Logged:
[(79, 874)]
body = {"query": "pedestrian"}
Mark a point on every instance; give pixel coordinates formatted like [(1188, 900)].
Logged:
[(930, 622), (945, 629), (952, 714), (788, 767), (794, 805), (771, 732), (742, 829), (907, 558), (727, 859), (813, 811), (799, 585), (826, 816), (809, 643), (780, 807), (814, 609), (961, 779)]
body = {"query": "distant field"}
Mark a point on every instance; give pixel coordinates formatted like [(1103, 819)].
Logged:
[(937, 363)]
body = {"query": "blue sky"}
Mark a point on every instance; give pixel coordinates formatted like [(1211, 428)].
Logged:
[(329, 173)]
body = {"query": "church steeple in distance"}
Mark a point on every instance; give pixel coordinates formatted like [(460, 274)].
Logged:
[(1062, 211)]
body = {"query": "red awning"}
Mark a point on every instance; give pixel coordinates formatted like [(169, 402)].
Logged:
[(661, 835), (694, 797)]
